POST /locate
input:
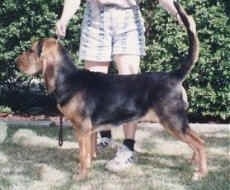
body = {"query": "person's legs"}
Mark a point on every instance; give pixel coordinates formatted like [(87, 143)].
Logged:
[(121, 40), (126, 64), (97, 66), (96, 47), (106, 136)]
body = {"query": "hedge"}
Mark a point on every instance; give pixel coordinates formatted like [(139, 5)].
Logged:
[(208, 85)]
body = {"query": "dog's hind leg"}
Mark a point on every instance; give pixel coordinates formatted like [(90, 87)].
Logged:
[(195, 158), (179, 128), (178, 135), (191, 137)]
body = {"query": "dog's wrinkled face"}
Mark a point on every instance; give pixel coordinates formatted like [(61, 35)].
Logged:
[(29, 62), (32, 61), (43, 57)]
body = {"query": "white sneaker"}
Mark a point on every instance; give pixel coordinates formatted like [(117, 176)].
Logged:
[(105, 143), (124, 159)]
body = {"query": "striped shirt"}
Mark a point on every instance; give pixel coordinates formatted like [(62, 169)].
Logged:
[(166, 4), (119, 3)]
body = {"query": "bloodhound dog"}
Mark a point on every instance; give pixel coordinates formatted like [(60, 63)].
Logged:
[(91, 100)]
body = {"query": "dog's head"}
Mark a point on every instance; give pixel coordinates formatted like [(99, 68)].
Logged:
[(43, 57), (38, 58)]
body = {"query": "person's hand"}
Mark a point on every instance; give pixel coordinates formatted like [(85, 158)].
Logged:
[(61, 27)]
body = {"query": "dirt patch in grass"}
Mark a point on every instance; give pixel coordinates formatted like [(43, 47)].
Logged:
[(27, 137)]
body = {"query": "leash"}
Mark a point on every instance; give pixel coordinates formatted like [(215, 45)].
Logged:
[(60, 133)]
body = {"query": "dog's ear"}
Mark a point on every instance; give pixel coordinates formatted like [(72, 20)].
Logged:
[(37, 47), (47, 51), (48, 64), (40, 47), (48, 56), (49, 77)]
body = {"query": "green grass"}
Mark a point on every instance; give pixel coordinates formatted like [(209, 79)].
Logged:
[(31, 159)]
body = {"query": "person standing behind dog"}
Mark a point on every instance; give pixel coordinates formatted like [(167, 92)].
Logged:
[(112, 30)]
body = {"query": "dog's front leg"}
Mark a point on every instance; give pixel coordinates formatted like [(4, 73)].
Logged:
[(94, 144), (84, 139)]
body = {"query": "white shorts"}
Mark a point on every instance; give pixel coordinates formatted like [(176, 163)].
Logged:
[(109, 30)]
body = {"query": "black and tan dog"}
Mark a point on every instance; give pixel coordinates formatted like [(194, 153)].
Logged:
[(90, 100)]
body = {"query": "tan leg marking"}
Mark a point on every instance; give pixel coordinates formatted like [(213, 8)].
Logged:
[(192, 139)]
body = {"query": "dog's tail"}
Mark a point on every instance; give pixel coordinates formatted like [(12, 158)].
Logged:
[(193, 52)]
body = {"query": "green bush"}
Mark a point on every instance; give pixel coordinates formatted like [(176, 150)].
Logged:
[(22, 22), (5, 109), (208, 85)]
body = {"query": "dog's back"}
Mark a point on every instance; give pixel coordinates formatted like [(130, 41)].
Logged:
[(115, 99)]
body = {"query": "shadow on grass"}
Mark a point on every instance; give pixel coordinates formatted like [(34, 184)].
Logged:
[(160, 161), (218, 180), (223, 142)]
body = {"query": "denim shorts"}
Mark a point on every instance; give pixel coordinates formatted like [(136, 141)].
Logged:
[(109, 30)]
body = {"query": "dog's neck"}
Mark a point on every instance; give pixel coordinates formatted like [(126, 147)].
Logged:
[(56, 72), (55, 66)]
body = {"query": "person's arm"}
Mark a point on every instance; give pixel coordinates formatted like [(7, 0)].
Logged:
[(168, 5), (69, 9)]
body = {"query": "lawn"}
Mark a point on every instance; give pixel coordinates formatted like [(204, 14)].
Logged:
[(30, 158)]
